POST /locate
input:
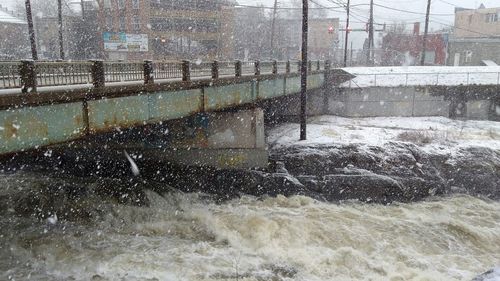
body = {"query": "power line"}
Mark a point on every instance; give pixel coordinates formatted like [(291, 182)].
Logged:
[(446, 2), (464, 29), (354, 15), (271, 8), (337, 8), (411, 12)]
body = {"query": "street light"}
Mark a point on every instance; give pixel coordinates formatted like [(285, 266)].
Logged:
[(60, 18), (303, 72)]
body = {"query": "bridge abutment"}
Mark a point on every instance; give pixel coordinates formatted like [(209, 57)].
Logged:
[(228, 139)]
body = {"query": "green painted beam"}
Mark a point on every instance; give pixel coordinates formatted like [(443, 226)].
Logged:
[(32, 127)]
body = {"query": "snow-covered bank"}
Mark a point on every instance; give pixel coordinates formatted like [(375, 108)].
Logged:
[(423, 75), (391, 159), (432, 134)]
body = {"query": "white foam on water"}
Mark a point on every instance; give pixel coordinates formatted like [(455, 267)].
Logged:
[(187, 237)]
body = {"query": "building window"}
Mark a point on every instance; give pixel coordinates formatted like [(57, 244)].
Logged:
[(121, 4), (109, 21), (107, 4), (135, 4), (491, 18), (122, 23), (136, 23), (468, 56)]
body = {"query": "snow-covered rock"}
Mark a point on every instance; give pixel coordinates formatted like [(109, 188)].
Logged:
[(491, 275), (392, 159)]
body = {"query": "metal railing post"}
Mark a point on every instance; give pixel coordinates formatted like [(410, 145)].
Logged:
[(27, 72), (237, 68), (318, 66), (98, 75), (287, 67), (275, 67), (186, 71), (299, 65), (309, 66), (328, 65), (257, 68), (215, 69), (149, 77)]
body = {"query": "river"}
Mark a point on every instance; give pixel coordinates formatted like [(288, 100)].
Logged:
[(192, 237)]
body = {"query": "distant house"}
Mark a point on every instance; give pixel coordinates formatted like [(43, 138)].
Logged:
[(405, 49), (14, 34), (476, 37)]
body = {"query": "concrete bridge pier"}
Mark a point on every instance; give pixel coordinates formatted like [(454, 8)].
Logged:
[(229, 139)]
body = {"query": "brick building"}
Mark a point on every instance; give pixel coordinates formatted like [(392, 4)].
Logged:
[(406, 49), (166, 29)]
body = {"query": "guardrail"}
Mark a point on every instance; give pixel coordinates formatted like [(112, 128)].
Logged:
[(28, 75), (422, 79)]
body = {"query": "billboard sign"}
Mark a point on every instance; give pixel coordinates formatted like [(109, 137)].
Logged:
[(122, 42)]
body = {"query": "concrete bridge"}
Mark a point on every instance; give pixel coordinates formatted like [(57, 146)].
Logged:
[(47, 103)]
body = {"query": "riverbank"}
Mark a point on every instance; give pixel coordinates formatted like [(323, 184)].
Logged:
[(391, 159)]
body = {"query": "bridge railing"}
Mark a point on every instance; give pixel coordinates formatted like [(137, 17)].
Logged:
[(28, 75), (63, 73), (422, 79), (9, 75), (167, 70), (123, 71)]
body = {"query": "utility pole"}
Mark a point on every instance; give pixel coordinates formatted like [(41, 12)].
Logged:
[(424, 44), (352, 52), (347, 33), (83, 8), (303, 71), (273, 26), (369, 57), (31, 30), (61, 44)]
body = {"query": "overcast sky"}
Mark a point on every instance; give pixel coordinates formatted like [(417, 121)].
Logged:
[(382, 15)]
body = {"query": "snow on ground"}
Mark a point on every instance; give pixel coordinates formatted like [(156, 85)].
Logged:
[(423, 75), (437, 134)]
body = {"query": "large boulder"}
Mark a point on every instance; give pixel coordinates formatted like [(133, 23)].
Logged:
[(396, 172)]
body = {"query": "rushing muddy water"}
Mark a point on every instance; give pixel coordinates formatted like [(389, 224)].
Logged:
[(190, 237)]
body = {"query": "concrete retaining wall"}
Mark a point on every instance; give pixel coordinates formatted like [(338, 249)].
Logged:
[(397, 101), (386, 101)]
